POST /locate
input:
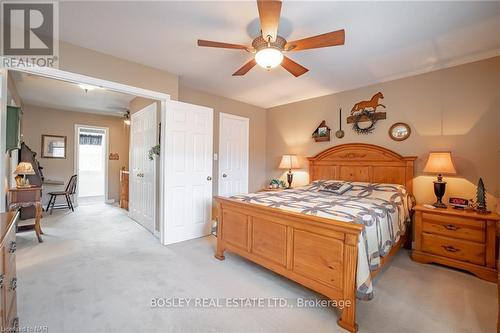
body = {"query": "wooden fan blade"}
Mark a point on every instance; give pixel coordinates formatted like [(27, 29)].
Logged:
[(246, 67), (208, 43), (294, 68), (325, 40), (269, 14)]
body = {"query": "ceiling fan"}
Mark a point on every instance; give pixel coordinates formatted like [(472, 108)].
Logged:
[(269, 48)]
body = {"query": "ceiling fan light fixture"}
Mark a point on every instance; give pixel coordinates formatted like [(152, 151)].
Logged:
[(126, 118), (269, 57)]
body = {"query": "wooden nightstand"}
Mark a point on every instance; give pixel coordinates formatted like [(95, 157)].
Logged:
[(462, 239)]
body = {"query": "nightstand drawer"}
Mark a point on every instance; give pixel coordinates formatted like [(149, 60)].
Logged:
[(454, 248), (455, 227)]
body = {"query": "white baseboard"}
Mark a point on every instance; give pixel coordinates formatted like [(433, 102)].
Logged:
[(110, 201)]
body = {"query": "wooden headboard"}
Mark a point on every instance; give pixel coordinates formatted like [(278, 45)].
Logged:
[(364, 163)]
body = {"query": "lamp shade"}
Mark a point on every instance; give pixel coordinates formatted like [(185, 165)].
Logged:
[(289, 162), (440, 162), (24, 168)]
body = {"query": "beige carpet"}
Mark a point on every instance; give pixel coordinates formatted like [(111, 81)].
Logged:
[(98, 271)]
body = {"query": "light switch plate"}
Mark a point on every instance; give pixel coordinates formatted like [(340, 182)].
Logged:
[(216, 157)]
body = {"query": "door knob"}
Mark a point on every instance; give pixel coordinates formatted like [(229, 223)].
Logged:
[(209, 178), (224, 175)]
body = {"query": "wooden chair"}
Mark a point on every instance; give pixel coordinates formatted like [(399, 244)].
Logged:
[(70, 190)]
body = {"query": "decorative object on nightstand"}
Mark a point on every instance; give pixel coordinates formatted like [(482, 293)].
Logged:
[(322, 132), (276, 183), (23, 169), (289, 162), (440, 163), (481, 198), (462, 239), (459, 203)]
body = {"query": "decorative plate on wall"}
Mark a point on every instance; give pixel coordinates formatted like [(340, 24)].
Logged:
[(399, 131)]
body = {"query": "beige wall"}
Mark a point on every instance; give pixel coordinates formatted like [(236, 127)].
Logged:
[(257, 143), (455, 109), (37, 121), (139, 103), (84, 61)]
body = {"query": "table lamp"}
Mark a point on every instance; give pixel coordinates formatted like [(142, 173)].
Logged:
[(440, 163), (289, 162), (24, 168)]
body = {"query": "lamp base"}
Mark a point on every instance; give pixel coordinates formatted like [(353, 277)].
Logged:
[(439, 204), (439, 190), (289, 178)]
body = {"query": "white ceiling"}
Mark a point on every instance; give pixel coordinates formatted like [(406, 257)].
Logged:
[(384, 40), (50, 93)]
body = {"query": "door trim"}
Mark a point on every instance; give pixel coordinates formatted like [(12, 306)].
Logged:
[(106, 84), (106, 162), (247, 148)]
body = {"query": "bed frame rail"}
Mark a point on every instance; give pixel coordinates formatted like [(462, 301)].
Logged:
[(316, 252)]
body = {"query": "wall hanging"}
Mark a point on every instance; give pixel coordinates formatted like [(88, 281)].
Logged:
[(322, 133), (399, 131), (366, 111), (155, 150), (114, 156), (53, 146), (340, 133)]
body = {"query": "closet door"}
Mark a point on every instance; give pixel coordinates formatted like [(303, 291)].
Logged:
[(188, 180), (142, 201), (233, 154)]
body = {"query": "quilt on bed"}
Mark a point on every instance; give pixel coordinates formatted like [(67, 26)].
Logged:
[(382, 208)]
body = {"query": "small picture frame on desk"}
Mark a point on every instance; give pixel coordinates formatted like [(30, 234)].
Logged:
[(53, 146)]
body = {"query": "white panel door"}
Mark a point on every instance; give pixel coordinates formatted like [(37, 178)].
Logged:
[(142, 201), (233, 155), (188, 181)]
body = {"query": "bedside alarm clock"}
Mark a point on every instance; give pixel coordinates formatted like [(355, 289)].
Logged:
[(459, 203)]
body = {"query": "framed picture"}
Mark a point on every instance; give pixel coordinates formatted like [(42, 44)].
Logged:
[(53, 146), (399, 131)]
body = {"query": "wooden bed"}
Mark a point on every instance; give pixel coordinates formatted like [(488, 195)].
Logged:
[(319, 253)]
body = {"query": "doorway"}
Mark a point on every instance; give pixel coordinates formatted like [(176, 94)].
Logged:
[(91, 164)]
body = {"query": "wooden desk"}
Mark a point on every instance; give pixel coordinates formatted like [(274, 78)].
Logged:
[(28, 197)]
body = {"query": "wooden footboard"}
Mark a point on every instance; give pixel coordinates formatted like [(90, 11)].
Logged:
[(319, 253)]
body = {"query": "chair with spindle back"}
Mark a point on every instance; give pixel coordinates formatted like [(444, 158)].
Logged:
[(68, 192)]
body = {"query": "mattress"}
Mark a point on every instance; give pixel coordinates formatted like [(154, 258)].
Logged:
[(383, 209)]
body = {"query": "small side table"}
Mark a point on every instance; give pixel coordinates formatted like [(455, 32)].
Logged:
[(28, 197), (462, 239)]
